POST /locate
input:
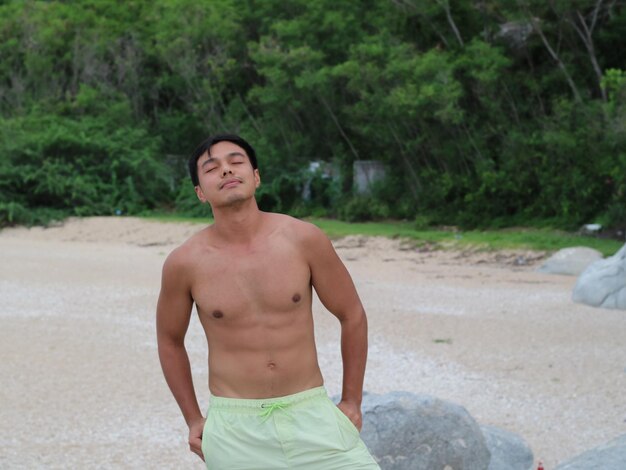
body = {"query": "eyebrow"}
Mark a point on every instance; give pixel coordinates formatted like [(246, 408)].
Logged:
[(228, 155)]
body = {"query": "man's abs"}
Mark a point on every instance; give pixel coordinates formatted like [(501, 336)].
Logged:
[(270, 355), (263, 375)]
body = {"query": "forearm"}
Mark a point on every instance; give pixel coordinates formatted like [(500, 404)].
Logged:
[(177, 372), (354, 356)]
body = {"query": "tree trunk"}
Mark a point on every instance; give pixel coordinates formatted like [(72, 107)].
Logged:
[(417, 187), (446, 6), (339, 128), (553, 54), (586, 35)]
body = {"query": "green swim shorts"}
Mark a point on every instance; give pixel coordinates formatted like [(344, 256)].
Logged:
[(304, 431)]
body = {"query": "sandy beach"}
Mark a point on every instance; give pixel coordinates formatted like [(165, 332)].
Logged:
[(82, 385)]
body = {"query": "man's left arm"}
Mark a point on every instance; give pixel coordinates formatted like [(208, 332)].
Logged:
[(335, 288)]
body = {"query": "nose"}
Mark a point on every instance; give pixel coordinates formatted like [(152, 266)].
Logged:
[(226, 171)]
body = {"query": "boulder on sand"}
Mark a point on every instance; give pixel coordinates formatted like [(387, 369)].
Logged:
[(603, 283), (570, 261), (611, 456), (508, 450), (406, 431)]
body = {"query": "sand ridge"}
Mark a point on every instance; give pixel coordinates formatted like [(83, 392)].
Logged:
[(82, 385)]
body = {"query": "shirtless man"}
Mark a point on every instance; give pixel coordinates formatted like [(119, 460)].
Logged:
[(251, 275)]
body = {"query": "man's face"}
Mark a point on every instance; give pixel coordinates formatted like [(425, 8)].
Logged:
[(226, 175)]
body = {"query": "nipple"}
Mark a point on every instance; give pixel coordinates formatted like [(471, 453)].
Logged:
[(217, 314), (296, 298)]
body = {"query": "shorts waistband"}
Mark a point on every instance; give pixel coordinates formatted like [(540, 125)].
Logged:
[(259, 404)]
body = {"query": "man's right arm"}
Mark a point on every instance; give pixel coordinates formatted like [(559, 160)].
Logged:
[(172, 320)]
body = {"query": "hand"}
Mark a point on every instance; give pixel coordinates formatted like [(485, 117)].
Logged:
[(195, 436), (353, 412)]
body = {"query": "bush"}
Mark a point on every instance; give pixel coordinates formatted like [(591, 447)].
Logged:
[(423, 222), (187, 202), (363, 208), (14, 213), (87, 166), (615, 216)]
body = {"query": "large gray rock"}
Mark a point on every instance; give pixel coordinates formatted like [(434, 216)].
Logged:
[(406, 431), (570, 261), (611, 456), (603, 283), (508, 451)]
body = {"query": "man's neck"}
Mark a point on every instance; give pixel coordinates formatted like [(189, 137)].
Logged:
[(238, 223)]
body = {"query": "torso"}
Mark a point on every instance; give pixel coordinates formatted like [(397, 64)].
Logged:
[(254, 303)]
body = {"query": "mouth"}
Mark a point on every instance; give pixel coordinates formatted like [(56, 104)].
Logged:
[(231, 183)]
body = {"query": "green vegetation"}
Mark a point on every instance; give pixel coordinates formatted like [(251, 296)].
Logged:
[(518, 238), (486, 114)]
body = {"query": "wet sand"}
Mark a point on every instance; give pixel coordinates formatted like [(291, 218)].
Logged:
[(82, 386)]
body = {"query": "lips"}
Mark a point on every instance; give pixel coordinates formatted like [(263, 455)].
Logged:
[(230, 183)]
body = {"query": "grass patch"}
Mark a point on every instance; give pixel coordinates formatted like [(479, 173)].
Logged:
[(519, 238), (543, 239)]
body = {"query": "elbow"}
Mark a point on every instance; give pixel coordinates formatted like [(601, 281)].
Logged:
[(169, 343), (355, 317)]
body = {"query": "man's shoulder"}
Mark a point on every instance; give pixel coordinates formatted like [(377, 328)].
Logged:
[(305, 236), (187, 252), (297, 229)]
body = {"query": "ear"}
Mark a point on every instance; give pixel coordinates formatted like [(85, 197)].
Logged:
[(200, 193), (257, 178)]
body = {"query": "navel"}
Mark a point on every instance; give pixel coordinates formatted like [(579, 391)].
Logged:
[(271, 365), (217, 314), (296, 298)]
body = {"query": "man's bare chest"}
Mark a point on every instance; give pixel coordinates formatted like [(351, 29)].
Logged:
[(275, 280)]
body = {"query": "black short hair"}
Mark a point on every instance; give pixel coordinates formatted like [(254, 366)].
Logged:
[(210, 142)]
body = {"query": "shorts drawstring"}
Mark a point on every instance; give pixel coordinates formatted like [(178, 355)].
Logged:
[(270, 407)]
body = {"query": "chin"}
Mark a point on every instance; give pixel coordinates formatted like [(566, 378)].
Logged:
[(235, 199)]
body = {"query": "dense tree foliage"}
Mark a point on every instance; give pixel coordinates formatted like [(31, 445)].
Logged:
[(483, 112)]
